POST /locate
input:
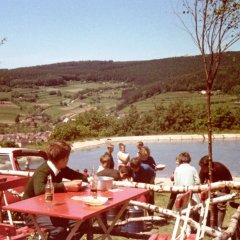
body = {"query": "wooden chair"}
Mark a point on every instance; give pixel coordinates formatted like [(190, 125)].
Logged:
[(204, 207), (12, 231), (183, 201), (205, 202), (9, 232)]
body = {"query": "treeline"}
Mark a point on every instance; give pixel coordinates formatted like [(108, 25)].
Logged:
[(170, 74), (178, 117)]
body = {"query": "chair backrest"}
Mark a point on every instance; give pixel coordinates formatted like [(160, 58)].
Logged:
[(183, 201), (9, 191), (205, 202)]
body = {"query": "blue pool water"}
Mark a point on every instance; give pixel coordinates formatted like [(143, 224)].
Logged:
[(225, 151)]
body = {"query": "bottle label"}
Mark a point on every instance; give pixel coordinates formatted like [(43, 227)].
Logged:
[(48, 197)]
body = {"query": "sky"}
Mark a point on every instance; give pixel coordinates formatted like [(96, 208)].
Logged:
[(41, 32)]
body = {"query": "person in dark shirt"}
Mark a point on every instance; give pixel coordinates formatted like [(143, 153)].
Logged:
[(105, 161), (146, 158), (58, 154), (219, 173), (110, 149), (143, 173)]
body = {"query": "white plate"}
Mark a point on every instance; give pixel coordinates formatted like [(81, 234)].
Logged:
[(160, 167), (94, 201)]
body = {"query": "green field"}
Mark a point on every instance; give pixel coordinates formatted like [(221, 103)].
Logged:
[(61, 105), (8, 112), (187, 97), (61, 102)]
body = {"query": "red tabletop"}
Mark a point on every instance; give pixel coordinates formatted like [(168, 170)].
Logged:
[(64, 206)]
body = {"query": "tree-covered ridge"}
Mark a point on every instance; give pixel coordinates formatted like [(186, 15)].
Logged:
[(177, 117), (169, 74)]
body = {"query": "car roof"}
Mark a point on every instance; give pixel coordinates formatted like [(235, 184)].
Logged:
[(23, 152), (10, 150)]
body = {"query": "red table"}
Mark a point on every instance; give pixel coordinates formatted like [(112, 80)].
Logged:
[(65, 207)]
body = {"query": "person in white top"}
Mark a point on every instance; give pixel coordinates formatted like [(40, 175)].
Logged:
[(123, 157), (185, 174)]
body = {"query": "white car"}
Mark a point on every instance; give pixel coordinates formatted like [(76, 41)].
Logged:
[(21, 159)]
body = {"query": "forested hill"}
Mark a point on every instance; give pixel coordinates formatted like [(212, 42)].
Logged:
[(169, 74)]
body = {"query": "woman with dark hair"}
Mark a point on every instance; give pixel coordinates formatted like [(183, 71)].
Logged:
[(219, 173), (146, 158)]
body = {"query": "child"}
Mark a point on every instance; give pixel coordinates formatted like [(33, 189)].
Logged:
[(122, 156)]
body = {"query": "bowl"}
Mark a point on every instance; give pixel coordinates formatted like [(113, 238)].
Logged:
[(104, 183)]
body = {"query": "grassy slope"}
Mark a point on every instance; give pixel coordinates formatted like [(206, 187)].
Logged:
[(106, 98), (51, 103), (190, 98)]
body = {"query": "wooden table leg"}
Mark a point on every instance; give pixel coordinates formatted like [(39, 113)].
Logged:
[(73, 230), (108, 231), (33, 218)]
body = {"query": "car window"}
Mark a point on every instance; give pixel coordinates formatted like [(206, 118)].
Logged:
[(29, 162), (5, 162)]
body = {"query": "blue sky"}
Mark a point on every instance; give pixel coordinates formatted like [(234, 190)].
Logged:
[(49, 31)]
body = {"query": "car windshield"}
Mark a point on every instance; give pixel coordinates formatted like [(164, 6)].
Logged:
[(5, 162), (29, 162)]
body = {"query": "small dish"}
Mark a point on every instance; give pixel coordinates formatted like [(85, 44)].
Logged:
[(160, 167), (89, 200)]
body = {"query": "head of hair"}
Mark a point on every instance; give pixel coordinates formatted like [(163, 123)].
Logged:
[(204, 161), (105, 160), (135, 162), (85, 170), (184, 157), (121, 145), (144, 151), (140, 144), (125, 172), (58, 150), (110, 145)]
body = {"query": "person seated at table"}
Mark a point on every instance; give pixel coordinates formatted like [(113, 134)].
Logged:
[(126, 174), (143, 173), (146, 158), (122, 156), (105, 161), (56, 166)]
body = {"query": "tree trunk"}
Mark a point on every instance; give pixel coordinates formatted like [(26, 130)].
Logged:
[(209, 126)]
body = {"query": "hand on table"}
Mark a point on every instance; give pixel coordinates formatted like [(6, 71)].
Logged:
[(73, 186)]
